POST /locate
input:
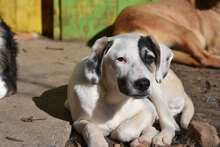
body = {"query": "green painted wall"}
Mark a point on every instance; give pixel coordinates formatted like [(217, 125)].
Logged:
[(125, 3), (82, 19)]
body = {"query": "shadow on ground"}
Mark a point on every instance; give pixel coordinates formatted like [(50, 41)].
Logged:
[(52, 102)]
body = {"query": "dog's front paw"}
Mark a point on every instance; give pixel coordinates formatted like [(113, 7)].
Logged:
[(139, 142), (146, 138), (124, 135), (3, 89), (164, 138)]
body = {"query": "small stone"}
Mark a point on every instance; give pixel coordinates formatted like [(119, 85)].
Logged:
[(200, 114), (204, 133), (212, 100)]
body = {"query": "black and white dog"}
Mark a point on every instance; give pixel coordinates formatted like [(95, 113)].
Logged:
[(8, 68)]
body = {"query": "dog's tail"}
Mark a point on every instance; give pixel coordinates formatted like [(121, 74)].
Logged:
[(187, 113)]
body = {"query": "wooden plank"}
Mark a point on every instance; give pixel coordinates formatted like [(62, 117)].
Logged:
[(57, 19), (81, 19), (47, 18), (28, 16), (8, 12)]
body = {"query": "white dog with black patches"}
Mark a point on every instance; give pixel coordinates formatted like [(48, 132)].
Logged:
[(109, 90)]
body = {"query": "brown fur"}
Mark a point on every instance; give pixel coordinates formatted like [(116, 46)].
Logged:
[(193, 33)]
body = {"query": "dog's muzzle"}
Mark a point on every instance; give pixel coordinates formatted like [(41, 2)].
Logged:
[(142, 84), (136, 89)]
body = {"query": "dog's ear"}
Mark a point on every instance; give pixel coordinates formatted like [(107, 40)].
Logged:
[(93, 66), (163, 55)]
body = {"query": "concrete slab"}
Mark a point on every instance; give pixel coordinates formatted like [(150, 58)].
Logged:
[(36, 116)]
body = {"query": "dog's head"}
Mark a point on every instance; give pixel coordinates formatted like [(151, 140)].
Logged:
[(129, 62)]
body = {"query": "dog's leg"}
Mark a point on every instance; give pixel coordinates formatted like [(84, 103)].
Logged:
[(168, 126), (146, 137), (191, 44), (91, 133), (3, 86), (167, 121), (187, 113), (132, 128), (3, 89), (8, 80), (201, 54), (185, 58), (214, 46)]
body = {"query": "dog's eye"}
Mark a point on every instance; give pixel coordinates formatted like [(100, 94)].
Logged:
[(149, 59), (121, 59)]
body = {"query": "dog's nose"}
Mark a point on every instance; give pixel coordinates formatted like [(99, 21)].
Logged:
[(142, 84)]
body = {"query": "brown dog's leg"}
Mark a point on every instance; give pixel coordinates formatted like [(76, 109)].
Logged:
[(192, 52), (184, 58), (195, 49)]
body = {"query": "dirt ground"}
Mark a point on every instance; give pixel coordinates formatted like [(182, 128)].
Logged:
[(44, 68)]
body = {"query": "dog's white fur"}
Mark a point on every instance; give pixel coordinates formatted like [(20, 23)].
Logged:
[(100, 106), (3, 88)]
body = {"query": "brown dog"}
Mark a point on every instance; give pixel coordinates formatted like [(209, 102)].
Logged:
[(192, 33)]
